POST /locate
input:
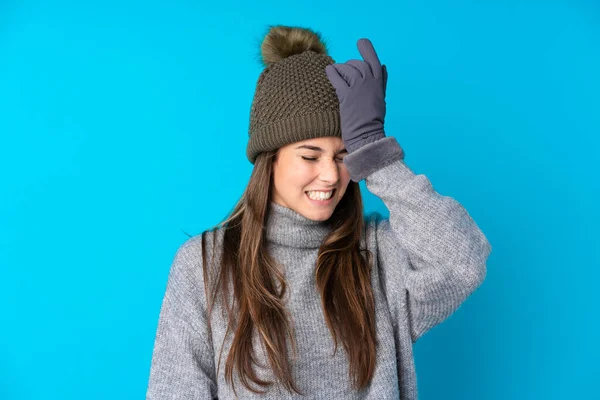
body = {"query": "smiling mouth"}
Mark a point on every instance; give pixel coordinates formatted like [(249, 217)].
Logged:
[(333, 192)]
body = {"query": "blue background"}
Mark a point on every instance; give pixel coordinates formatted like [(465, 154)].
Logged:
[(123, 126)]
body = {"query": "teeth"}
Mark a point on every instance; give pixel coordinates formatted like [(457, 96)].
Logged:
[(320, 195)]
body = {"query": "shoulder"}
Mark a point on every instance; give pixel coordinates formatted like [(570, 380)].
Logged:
[(200, 245), (375, 227), (189, 256), (383, 241)]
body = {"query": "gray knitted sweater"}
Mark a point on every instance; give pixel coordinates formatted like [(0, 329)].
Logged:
[(429, 257)]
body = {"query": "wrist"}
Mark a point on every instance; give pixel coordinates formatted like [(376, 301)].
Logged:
[(373, 157), (363, 139)]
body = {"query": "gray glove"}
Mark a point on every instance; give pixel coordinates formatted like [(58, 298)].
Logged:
[(360, 87)]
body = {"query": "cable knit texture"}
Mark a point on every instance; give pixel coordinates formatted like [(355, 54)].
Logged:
[(430, 256)]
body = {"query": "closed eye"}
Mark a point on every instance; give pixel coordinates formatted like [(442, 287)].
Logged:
[(314, 159)]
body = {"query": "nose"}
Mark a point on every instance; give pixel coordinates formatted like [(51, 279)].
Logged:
[(329, 171)]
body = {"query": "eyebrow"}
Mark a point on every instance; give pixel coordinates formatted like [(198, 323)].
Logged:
[(316, 148)]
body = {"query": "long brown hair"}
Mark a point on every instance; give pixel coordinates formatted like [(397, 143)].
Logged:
[(343, 277)]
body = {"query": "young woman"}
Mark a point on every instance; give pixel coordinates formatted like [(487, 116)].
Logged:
[(296, 294)]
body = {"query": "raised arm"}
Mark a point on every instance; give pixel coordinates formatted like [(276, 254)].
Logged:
[(430, 249)]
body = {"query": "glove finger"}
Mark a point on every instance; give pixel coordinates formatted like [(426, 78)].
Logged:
[(334, 77), (365, 47), (362, 67), (348, 72)]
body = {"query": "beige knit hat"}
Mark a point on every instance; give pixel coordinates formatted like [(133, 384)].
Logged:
[(294, 99)]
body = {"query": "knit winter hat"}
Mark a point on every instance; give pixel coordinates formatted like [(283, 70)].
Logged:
[(294, 99)]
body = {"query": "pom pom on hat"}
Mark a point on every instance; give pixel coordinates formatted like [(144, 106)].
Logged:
[(293, 99), (284, 41)]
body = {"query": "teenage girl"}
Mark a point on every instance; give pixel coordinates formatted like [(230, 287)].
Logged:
[(296, 294)]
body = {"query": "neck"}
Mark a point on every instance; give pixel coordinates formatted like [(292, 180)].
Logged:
[(288, 228)]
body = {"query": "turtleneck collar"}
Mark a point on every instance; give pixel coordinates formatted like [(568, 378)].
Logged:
[(288, 228)]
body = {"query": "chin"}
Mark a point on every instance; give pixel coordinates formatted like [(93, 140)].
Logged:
[(319, 215), (315, 212)]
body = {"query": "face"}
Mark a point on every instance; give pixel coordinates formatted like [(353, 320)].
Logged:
[(315, 167)]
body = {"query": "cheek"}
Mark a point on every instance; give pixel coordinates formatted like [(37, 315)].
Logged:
[(298, 176), (301, 177), (344, 178), (344, 174)]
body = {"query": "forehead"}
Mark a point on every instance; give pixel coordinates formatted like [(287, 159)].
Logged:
[(329, 143)]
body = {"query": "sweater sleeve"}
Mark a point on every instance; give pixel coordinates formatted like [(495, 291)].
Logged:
[(182, 364), (431, 253)]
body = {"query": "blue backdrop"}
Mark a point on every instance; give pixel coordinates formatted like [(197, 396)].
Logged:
[(123, 125)]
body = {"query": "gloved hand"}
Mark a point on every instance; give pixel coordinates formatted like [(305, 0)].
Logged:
[(360, 87)]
